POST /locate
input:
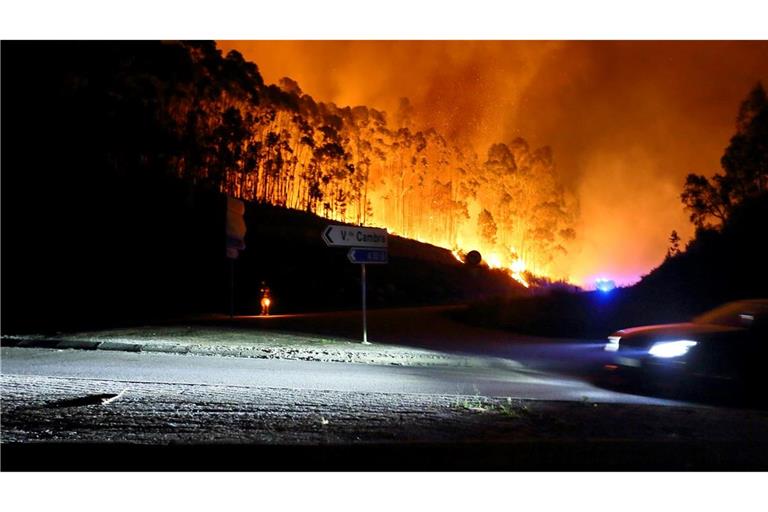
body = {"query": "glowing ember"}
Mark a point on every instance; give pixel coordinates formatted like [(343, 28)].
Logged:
[(494, 261), (516, 271), (519, 278), (515, 268)]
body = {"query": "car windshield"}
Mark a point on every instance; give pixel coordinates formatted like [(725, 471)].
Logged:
[(735, 314)]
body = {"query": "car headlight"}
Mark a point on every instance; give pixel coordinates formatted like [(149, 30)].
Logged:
[(613, 343), (675, 348)]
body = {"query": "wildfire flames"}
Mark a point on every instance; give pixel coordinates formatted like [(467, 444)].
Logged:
[(509, 204), (516, 269), (275, 144)]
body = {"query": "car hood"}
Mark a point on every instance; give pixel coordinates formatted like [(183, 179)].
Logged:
[(674, 330), (641, 336)]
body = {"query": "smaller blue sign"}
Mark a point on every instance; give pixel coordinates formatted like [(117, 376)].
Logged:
[(373, 256)]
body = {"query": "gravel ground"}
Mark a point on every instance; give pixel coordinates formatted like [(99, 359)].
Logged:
[(36, 409)]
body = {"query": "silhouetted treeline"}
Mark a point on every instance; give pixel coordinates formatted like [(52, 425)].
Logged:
[(744, 167), (93, 228), (726, 259)]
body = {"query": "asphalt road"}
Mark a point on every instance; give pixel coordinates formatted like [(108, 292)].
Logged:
[(105, 410), (494, 379), (433, 328)]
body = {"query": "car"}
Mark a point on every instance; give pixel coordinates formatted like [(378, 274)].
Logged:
[(728, 343)]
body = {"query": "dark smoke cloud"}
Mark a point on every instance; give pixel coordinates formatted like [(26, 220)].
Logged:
[(626, 120)]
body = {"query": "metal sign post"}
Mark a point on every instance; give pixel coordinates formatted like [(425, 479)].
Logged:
[(231, 288), (365, 316), (235, 231), (368, 245)]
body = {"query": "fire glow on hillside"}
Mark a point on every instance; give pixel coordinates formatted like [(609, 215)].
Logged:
[(349, 165)]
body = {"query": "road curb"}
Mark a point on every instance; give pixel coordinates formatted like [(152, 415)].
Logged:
[(121, 346), (34, 343), (116, 346), (71, 344), (167, 349), (78, 344)]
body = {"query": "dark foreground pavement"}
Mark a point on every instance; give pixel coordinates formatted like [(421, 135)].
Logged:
[(571, 455)]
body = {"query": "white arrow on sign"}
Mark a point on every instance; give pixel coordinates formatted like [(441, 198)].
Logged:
[(351, 236), (373, 256)]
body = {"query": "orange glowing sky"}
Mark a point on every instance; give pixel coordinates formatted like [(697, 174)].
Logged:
[(627, 120)]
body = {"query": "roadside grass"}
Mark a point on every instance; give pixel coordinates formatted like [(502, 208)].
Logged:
[(506, 407)]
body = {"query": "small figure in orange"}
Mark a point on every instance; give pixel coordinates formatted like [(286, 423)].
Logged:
[(266, 299)]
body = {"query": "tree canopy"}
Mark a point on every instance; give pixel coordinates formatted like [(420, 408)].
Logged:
[(744, 167)]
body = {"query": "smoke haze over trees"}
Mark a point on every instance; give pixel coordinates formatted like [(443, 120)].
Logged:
[(627, 120)]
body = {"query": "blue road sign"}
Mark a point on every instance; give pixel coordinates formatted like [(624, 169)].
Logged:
[(371, 256)]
